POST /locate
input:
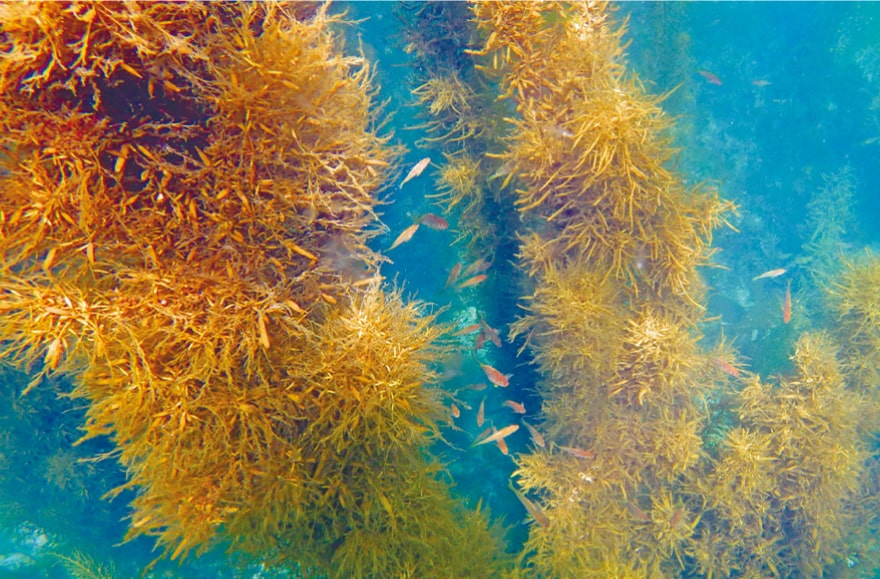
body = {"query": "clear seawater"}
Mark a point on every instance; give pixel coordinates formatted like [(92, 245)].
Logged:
[(796, 113)]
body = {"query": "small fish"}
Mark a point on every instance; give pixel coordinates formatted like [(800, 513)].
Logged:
[(494, 376), (532, 509), (676, 519), (479, 387), (498, 434), (726, 367), (476, 267), (502, 446), (578, 452), (476, 280), (556, 131), (415, 171), (491, 334), (467, 330), (637, 513), (480, 341), (515, 406), (453, 277), (760, 83), (434, 222), (481, 413), (405, 236), (454, 410), (537, 438), (710, 78), (53, 353), (786, 304), (503, 170), (770, 274)]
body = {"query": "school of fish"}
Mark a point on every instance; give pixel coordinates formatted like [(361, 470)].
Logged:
[(462, 415), (492, 416)]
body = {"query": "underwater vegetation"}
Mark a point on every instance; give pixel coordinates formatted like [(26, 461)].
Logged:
[(463, 120), (853, 299), (188, 197), (783, 497), (611, 241), (81, 566)]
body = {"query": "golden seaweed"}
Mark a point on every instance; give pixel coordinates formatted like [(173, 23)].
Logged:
[(186, 195)]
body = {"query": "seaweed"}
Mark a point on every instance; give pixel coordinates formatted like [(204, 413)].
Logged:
[(185, 204)]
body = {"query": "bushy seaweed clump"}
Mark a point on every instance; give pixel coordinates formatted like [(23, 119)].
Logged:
[(782, 499), (854, 302), (612, 240), (185, 200), (632, 484)]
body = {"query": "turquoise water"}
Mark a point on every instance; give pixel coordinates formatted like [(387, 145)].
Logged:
[(783, 119)]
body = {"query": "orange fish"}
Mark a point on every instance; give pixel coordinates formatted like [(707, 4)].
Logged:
[(536, 436), (770, 274), (476, 280), (786, 304), (726, 367), (405, 236), (456, 413), (481, 413), (515, 406), (467, 330), (531, 508), (502, 446), (490, 332), (578, 452), (498, 435), (494, 376), (710, 78), (415, 171), (637, 513), (453, 276), (476, 267), (434, 221)]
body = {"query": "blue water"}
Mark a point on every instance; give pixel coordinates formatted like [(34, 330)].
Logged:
[(798, 104)]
